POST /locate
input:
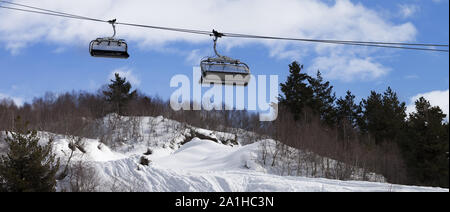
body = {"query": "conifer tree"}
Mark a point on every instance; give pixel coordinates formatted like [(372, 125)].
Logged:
[(297, 93), (28, 166), (118, 94), (395, 116), (347, 109), (384, 116), (371, 120), (427, 145), (323, 99), (347, 114)]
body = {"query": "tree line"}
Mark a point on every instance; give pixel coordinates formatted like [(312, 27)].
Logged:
[(375, 134), (413, 147)]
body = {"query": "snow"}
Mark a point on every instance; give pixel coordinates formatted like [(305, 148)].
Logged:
[(205, 166), (95, 151), (182, 163), (204, 155)]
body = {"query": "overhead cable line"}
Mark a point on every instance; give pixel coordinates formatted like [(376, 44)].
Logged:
[(395, 45), (68, 15), (334, 41), (52, 14), (354, 43), (48, 11), (167, 28)]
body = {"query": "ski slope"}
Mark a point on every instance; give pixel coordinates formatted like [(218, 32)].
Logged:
[(180, 161), (205, 166)]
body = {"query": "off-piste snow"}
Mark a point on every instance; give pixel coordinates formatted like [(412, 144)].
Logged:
[(183, 158)]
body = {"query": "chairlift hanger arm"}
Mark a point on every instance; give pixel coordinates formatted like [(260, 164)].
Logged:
[(217, 35), (113, 23)]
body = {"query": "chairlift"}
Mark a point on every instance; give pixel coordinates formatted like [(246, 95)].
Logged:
[(109, 47), (223, 70)]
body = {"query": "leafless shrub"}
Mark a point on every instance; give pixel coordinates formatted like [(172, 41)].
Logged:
[(263, 148), (322, 152), (75, 143), (136, 129), (132, 185), (83, 178)]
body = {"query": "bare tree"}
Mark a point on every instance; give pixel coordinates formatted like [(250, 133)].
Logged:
[(83, 178), (74, 144)]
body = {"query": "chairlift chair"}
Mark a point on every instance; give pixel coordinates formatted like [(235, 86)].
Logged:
[(223, 70), (109, 47)]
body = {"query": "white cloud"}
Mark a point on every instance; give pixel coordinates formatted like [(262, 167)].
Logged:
[(286, 50), (348, 68), (17, 100), (436, 98), (195, 56), (408, 10), (341, 19), (128, 74)]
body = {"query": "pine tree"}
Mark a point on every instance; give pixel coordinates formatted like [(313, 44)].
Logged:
[(28, 166), (118, 94), (372, 120), (384, 116), (297, 93), (347, 109), (323, 99), (347, 114), (395, 116), (427, 147)]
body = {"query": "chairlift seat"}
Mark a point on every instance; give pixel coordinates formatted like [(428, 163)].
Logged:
[(109, 48), (222, 69), (215, 70)]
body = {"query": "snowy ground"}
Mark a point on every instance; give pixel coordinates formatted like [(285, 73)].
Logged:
[(202, 165), (182, 162)]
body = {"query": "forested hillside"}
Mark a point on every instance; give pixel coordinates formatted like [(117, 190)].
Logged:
[(374, 135)]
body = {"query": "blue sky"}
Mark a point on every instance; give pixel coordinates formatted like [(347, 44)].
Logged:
[(40, 54)]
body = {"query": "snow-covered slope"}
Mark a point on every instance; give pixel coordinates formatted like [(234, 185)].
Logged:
[(185, 158), (203, 165)]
